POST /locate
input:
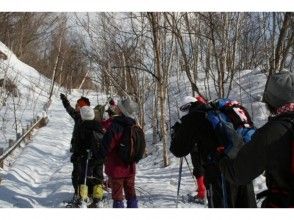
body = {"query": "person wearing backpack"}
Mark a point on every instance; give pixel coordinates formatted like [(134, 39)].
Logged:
[(75, 157), (90, 133), (271, 148), (198, 170), (195, 128), (121, 175)]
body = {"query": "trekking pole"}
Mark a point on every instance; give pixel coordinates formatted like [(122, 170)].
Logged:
[(84, 187), (179, 181), (188, 164)]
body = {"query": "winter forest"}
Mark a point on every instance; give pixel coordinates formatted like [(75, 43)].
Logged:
[(153, 58)]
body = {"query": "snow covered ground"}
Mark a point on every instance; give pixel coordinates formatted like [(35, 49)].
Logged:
[(41, 175)]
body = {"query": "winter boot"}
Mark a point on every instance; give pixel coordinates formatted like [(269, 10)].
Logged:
[(132, 203), (118, 204), (97, 196), (201, 191), (84, 199), (98, 191), (201, 187), (84, 192)]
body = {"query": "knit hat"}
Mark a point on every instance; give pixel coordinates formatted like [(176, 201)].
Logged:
[(186, 103), (83, 101), (280, 89), (127, 106), (87, 113)]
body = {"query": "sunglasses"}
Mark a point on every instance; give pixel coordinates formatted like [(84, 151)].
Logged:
[(186, 107)]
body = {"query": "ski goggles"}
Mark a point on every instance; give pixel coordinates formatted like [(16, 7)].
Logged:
[(186, 107)]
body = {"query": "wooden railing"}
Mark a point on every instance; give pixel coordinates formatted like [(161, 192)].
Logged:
[(38, 122)]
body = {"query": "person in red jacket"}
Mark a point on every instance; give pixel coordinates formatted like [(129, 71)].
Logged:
[(121, 175)]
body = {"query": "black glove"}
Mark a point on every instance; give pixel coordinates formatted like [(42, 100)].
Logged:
[(62, 97), (64, 100)]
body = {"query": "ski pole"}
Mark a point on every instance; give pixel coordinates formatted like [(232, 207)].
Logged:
[(179, 181), (87, 164), (84, 187)]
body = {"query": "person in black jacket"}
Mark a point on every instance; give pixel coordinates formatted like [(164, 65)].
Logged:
[(90, 133), (198, 170), (75, 157), (194, 128), (271, 148)]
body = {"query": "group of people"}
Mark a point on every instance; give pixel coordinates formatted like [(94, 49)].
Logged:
[(94, 143), (227, 165), (226, 156)]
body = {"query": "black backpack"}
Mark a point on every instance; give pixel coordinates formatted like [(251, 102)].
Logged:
[(133, 144), (97, 137)]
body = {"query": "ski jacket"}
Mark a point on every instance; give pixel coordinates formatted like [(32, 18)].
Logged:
[(269, 151), (86, 139), (77, 120), (114, 166), (193, 129)]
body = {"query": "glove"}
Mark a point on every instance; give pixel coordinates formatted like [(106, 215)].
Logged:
[(64, 100), (62, 97)]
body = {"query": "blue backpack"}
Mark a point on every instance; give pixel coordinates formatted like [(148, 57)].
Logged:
[(225, 112)]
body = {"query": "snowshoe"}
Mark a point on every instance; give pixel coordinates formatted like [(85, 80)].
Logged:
[(193, 199), (97, 203), (196, 199), (74, 202), (83, 204)]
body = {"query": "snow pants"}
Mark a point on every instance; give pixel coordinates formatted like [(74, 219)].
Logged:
[(94, 174), (120, 185), (237, 196)]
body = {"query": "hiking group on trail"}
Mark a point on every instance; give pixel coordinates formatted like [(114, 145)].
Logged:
[(226, 149), (117, 142)]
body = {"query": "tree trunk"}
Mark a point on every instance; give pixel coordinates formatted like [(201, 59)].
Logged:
[(282, 36), (55, 66)]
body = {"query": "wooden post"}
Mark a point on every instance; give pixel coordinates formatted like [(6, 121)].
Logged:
[(10, 142), (1, 152)]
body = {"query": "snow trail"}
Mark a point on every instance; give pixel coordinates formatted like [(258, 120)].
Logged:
[(41, 175)]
